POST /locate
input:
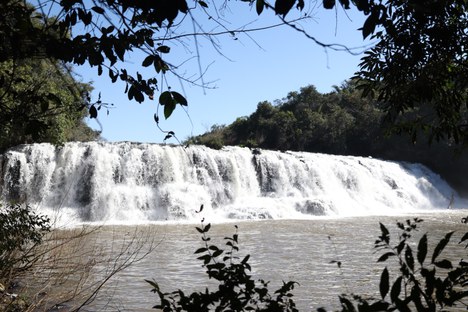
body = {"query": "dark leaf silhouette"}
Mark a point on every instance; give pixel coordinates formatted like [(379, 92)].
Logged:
[(384, 285)]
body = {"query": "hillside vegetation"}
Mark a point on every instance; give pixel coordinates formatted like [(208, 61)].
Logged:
[(340, 122), (40, 101)]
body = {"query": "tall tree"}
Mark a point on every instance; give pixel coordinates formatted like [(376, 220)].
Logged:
[(420, 58), (419, 66), (41, 102)]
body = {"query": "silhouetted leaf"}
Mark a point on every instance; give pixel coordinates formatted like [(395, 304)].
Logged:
[(139, 97), (362, 5), (93, 112), (346, 304), (259, 6), (385, 256), (166, 98), (409, 259), (300, 5), (282, 7), (179, 98), (441, 245), (345, 4), (328, 4), (444, 264), (153, 284), (148, 61), (464, 238), (159, 64), (168, 109), (203, 4), (98, 10), (217, 253), (369, 25), (396, 288), (385, 233), (422, 249), (183, 7), (113, 76), (206, 259), (163, 49), (401, 246), (384, 285), (213, 247), (200, 250)]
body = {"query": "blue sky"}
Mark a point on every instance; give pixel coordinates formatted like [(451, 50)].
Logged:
[(265, 65)]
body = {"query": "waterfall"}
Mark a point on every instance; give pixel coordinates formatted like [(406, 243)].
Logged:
[(134, 183)]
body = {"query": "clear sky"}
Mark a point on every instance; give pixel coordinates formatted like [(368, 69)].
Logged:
[(263, 66)]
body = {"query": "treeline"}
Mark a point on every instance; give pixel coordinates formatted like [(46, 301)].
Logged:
[(41, 101), (340, 122)]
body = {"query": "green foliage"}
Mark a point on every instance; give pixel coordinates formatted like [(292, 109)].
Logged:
[(20, 231), (27, 32), (419, 62), (169, 99), (41, 102), (236, 290), (417, 68), (340, 122), (423, 283), (213, 139)]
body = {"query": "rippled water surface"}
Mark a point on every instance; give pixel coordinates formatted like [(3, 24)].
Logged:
[(301, 251)]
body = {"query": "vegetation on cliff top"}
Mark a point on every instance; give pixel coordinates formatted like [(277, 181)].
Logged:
[(341, 122)]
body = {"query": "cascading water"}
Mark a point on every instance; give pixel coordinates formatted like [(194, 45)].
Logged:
[(134, 183)]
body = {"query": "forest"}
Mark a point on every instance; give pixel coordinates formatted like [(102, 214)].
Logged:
[(342, 122), (40, 101), (408, 101)]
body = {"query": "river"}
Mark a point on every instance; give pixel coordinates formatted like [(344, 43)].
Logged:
[(296, 212), (281, 250)]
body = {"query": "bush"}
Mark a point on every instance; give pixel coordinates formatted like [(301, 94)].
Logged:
[(20, 231), (237, 291), (422, 284)]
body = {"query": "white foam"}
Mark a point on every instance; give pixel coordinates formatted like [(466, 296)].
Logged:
[(128, 183)]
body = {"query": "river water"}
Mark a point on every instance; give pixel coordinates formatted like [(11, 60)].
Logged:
[(281, 250), (298, 214)]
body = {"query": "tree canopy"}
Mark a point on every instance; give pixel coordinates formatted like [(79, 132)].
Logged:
[(40, 102), (420, 62), (342, 122), (419, 59)]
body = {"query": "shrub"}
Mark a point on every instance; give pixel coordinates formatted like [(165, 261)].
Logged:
[(20, 231), (237, 291), (422, 284)]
